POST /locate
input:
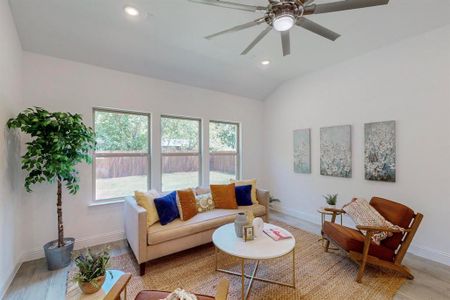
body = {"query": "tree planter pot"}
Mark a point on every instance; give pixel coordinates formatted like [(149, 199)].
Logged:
[(93, 286), (58, 258)]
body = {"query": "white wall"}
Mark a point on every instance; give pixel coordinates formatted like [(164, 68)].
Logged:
[(10, 187), (61, 85), (408, 82)]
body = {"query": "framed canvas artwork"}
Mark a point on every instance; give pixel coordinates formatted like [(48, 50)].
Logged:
[(302, 151), (336, 151), (379, 151)]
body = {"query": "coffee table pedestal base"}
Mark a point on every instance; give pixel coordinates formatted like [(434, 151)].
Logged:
[(245, 292)]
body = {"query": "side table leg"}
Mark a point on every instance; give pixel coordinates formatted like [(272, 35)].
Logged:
[(242, 279), (215, 248), (293, 267)]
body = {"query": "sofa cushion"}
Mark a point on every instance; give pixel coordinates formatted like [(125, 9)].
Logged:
[(204, 202), (200, 222), (247, 182), (224, 195), (167, 208), (352, 240), (187, 205), (146, 200), (244, 195)]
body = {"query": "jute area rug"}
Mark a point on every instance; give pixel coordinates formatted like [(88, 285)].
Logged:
[(319, 275)]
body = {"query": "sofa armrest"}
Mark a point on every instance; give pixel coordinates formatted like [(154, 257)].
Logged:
[(135, 221), (263, 197)]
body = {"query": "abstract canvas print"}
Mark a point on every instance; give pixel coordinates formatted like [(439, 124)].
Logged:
[(302, 151), (336, 151), (379, 151)]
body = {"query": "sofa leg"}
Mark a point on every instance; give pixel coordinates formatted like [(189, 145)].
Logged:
[(142, 269)]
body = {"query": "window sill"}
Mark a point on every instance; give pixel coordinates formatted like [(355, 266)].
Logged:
[(106, 202)]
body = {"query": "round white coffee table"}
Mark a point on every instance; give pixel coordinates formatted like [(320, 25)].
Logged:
[(261, 248)]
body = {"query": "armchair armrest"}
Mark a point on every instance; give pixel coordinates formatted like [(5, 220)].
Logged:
[(135, 221), (263, 197), (222, 290), (119, 287), (380, 228)]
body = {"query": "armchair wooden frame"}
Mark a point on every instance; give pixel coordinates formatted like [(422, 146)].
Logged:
[(364, 258)]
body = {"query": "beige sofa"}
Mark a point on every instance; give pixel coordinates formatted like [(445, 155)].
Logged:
[(156, 240)]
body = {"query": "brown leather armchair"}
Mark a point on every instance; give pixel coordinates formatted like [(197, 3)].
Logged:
[(221, 293), (391, 251)]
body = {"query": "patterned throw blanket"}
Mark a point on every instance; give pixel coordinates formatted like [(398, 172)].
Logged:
[(180, 294)]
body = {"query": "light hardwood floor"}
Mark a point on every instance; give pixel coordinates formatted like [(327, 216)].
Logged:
[(34, 281)]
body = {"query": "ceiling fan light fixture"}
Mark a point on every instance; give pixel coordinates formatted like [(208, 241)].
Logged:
[(283, 22)]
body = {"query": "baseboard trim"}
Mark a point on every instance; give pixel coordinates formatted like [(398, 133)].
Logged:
[(431, 254), (312, 218), (80, 243), (9, 280), (419, 250)]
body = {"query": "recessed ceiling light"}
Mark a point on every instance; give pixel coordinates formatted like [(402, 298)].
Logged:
[(131, 11), (265, 62)]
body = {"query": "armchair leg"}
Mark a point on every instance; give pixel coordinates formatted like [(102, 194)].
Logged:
[(367, 241), (142, 269), (362, 268), (327, 245)]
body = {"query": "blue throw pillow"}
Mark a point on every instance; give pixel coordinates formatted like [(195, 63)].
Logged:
[(167, 208), (244, 195)]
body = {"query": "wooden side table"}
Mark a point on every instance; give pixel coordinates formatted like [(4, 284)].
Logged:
[(323, 214), (75, 293)]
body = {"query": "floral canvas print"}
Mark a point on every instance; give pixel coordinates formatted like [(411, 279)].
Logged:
[(302, 151), (336, 151), (379, 151)]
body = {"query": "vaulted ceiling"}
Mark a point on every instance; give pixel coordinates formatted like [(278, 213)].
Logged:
[(166, 40)]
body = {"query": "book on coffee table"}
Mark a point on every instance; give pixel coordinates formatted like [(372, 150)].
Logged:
[(276, 234)]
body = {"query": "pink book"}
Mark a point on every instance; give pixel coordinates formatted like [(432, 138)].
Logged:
[(276, 234)]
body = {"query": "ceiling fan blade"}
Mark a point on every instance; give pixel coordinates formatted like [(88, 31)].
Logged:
[(257, 40), (317, 29), (342, 5), (231, 5), (286, 42), (237, 28)]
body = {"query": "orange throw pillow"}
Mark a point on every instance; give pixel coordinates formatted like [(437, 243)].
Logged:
[(224, 196), (187, 204)]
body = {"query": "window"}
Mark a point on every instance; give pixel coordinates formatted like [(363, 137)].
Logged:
[(224, 162), (122, 155), (180, 153)]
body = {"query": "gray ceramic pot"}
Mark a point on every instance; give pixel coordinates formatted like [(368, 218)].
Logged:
[(58, 258), (239, 222)]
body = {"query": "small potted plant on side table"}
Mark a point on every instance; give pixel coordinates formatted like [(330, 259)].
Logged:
[(91, 270), (331, 200)]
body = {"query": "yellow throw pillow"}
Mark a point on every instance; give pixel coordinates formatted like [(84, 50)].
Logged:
[(224, 196), (146, 200), (187, 206), (247, 182)]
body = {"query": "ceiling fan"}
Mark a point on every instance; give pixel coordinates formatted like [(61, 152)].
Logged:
[(282, 15)]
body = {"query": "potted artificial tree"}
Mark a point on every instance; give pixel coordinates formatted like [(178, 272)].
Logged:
[(59, 141)]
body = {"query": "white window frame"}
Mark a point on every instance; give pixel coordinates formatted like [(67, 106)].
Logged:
[(238, 147), (118, 154), (199, 153)]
